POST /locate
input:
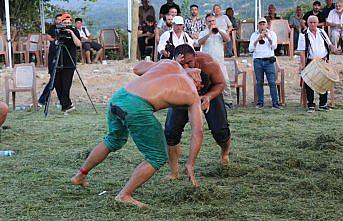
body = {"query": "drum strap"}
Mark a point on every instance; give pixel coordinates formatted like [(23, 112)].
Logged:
[(308, 44)]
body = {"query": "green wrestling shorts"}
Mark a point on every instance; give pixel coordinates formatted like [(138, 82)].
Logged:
[(128, 113)]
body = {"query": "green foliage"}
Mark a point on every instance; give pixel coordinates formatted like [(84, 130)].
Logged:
[(285, 165), (185, 8)]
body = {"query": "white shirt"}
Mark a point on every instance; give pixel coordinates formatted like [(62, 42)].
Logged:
[(223, 22), (176, 41), (213, 46), (317, 48), (335, 18), (265, 50), (83, 34)]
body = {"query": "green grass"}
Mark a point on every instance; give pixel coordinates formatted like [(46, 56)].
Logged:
[(285, 165)]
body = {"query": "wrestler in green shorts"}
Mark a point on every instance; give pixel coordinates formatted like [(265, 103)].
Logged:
[(128, 113)]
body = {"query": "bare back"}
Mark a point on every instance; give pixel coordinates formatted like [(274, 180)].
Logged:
[(163, 85)]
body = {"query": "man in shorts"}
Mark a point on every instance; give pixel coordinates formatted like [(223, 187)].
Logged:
[(212, 104), (130, 110)]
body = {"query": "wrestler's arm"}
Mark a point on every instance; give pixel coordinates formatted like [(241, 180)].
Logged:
[(217, 79), (143, 67), (195, 119)]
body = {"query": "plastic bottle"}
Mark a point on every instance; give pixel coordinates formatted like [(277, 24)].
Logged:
[(7, 152)]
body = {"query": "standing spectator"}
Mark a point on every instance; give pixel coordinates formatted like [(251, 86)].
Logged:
[(211, 41), (335, 21), (315, 11), (262, 44), (328, 7), (194, 24), (295, 23), (64, 73), (88, 43), (144, 10), (171, 39), (146, 36), (314, 43), (51, 35), (165, 8), (165, 23), (222, 21), (230, 14), (271, 14)]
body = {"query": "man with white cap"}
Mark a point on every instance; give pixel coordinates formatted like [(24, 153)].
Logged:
[(262, 44), (169, 40)]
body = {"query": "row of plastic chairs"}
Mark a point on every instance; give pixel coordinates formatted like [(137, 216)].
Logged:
[(37, 44)]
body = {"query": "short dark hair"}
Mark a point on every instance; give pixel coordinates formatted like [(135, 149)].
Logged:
[(78, 19), (183, 50), (150, 18), (58, 15), (209, 15), (317, 3), (194, 5), (229, 8)]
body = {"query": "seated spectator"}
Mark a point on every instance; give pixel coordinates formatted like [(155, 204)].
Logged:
[(295, 23), (230, 14), (271, 14), (335, 21), (270, 17), (144, 10), (194, 24), (88, 43), (165, 8), (316, 12), (146, 36)]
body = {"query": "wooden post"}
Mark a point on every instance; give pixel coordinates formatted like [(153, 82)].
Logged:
[(134, 38)]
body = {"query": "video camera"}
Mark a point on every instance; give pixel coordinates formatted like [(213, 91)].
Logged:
[(170, 48), (61, 32)]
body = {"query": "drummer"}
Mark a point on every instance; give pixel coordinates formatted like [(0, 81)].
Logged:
[(314, 42)]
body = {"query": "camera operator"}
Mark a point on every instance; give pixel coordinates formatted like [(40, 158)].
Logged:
[(51, 32), (211, 41), (262, 44), (169, 40), (64, 34)]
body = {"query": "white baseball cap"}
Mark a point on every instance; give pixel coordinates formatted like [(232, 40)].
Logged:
[(261, 20), (178, 20)]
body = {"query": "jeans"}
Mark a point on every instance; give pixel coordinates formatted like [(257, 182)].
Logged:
[(229, 49), (262, 66)]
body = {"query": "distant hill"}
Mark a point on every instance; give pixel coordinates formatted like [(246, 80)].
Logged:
[(113, 13)]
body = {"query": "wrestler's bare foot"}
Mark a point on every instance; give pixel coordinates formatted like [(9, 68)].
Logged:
[(224, 159), (129, 199), (189, 171), (172, 176), (80, 179)]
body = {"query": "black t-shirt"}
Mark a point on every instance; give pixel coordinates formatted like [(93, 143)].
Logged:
[(165, 8), (68, 42), (327, 10), (320, 16)]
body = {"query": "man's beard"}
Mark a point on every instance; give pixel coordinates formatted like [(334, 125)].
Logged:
[(169, 24)]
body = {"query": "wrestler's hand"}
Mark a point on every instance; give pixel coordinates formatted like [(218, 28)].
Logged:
[(194, 73), (205, 103), (179, 58)]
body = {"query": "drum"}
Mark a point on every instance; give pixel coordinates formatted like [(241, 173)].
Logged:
[(319, 75)]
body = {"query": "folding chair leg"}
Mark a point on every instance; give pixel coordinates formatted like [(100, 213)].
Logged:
[(34, 100), (303, 98), (237, 91), (13, 100), (279, 92), (332, 97)]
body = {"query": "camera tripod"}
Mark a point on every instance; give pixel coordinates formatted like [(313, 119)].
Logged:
[(59, 57)]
